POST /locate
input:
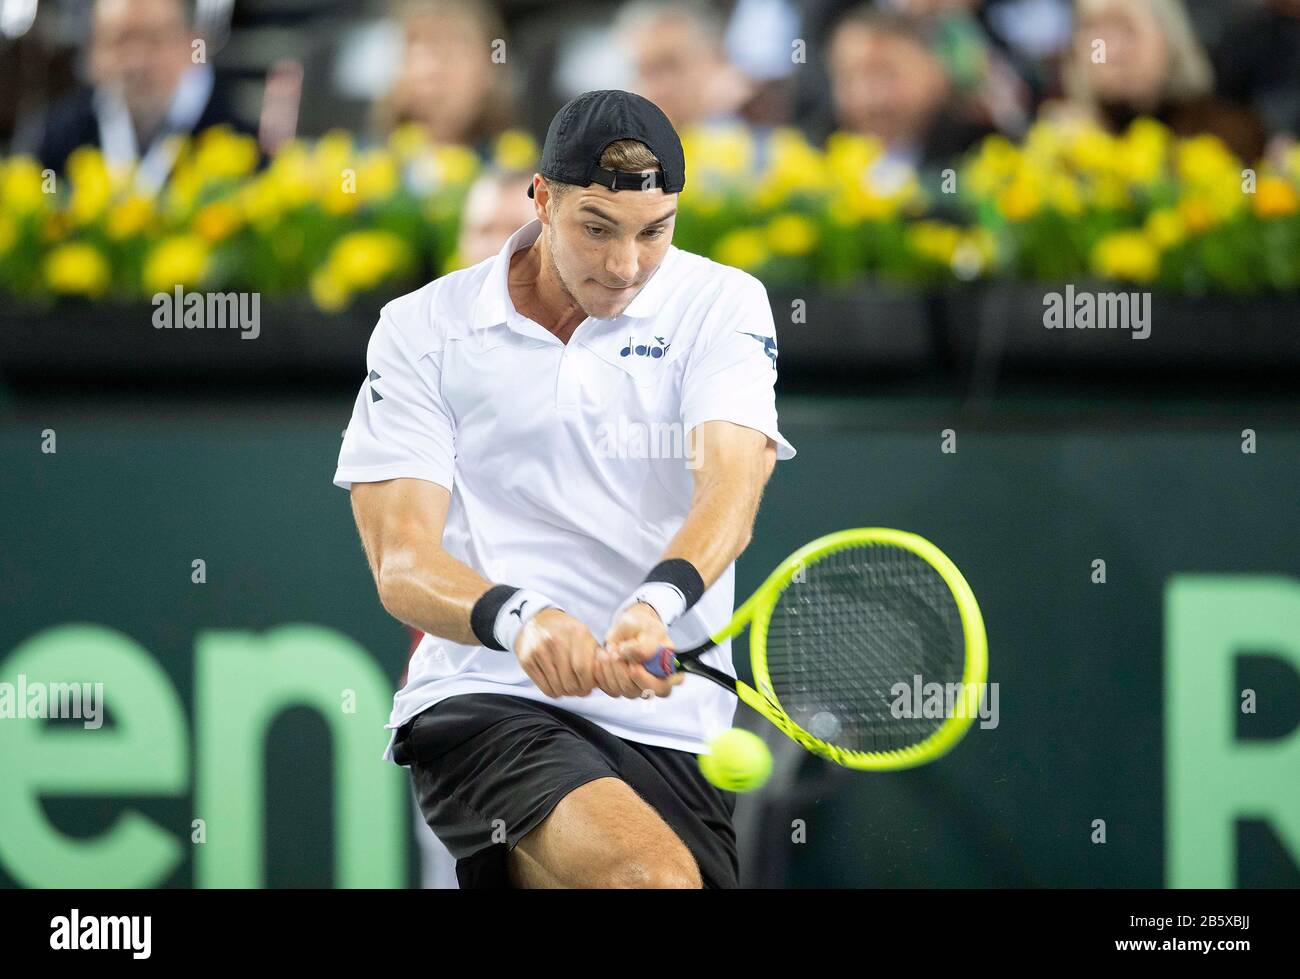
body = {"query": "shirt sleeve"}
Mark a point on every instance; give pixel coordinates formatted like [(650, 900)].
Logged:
[(400, 425), (731, 375)]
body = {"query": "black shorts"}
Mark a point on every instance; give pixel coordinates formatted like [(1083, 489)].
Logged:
[(487, 762)]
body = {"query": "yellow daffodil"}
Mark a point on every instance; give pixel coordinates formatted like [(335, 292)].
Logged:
[(222, 154), (92, 186), (1275, 198), (794, 166), (935, 240), (182, 192), (363, 259), (1142, 152), (326, 292), (1110, 192), (1043, 144), (997, 161), (77, 269), (24, 186), (850, 156), (857, 202), (791, 234), (8, 233), (703, 202), (1128, 255), (1092, 150), (1021, 199), (515, 150), (1197, 214), (292, 177), (129, 217), (718, 153), (454, 165), (333, 151), (178, 260), (745, 248), (377, 176), (408, 140), (258, 202), (1165, 227), (340, 195), (1205, 162), (217, 221), (1065, 194)]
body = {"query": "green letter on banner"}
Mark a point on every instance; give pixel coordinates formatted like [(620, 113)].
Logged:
[(1211, 779), (145, 752), (242, 682)]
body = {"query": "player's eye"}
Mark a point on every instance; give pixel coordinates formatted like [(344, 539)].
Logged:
[(655, 232), (595, 231)]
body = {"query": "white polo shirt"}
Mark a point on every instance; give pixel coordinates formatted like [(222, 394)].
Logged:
[(566, 462)]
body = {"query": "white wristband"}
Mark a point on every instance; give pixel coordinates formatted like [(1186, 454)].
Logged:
[(514, 615), (667, 600)]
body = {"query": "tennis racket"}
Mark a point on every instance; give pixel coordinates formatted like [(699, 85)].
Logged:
[(833, 633)]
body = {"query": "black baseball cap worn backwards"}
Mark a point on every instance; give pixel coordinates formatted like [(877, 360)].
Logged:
[(584, 127)]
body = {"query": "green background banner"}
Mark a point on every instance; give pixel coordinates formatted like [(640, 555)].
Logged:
[(245, 713)]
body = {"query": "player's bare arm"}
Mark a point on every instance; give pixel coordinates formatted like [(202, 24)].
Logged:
[(732, 465), (401, 523)]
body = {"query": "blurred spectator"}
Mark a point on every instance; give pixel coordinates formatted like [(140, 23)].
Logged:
[(449, 82), (759, 41), (1258, 64), (145, 87), (979, 70), (1030, 35), (887, 81), (496, 206), (678, 61), (1135, 58)]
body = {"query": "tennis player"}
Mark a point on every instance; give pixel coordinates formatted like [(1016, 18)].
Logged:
[(554, 461)]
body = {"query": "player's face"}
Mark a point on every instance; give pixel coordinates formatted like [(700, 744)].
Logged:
[(606, 244)]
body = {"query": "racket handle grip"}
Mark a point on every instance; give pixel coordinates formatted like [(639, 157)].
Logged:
[(662, 664)]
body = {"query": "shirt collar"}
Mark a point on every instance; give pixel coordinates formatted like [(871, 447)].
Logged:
[(494, 295), (494, 307)]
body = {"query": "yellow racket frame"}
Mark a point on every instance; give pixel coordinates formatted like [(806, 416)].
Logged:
[(757, 610)]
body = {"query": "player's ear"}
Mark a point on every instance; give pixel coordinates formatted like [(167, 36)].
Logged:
[(548, 203)]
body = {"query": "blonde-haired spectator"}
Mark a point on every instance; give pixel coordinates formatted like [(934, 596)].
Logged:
[(1132, 58), (449, 81)]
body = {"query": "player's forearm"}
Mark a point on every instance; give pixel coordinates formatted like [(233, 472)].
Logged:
[(718, 527), (426, 588)]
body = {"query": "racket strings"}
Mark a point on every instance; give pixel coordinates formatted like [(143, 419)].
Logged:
[(862, 621)]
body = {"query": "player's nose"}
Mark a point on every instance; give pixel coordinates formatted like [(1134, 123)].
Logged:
[(621, 265)]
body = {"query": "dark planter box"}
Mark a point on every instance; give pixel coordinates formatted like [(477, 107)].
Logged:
[(1003, 323), (870, 328), (121, 342)]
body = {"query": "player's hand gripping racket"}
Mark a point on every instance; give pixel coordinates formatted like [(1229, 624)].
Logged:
[(833, 632)]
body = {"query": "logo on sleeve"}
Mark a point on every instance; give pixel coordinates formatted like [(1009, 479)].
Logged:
[(374, 395), (769, 346)]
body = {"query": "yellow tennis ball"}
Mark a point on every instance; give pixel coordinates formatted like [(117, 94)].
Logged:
[(738, 761)]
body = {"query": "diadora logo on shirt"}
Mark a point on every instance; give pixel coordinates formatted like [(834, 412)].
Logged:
[(655, 350)]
